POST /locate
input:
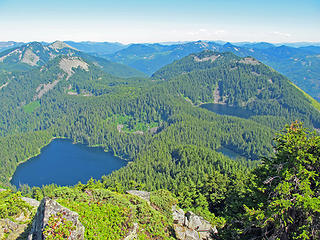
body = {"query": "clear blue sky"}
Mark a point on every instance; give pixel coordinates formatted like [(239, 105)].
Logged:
[(158, 21)]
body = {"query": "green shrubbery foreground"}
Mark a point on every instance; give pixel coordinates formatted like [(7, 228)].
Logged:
[(280, 199)]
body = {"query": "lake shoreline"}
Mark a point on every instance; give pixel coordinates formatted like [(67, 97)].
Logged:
[(65, 163), (37, 154)]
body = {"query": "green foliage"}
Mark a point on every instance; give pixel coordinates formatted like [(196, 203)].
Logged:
[(181, 156), (11, 205), (101, 220), (109, 215), (58, 227), (29, 108), (129, 124), (163, 200), (19, 147), (289, 185), (233, 81)]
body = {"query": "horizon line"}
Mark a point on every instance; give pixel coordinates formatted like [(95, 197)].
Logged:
[(163, 42)]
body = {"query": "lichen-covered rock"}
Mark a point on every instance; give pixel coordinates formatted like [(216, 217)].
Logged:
[(192, 235), (32, 202), (13, 229), (184, 233), (142, 194), (196, 222), (48, 208), (133, 233), (199, 224), (8, 225), (189, 226), (177, 215)]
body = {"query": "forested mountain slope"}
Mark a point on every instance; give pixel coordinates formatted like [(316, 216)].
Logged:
[(36, 54), (148, 58), (72, 97), (300, 65), (225, 78), (156, 124), (97, 48)]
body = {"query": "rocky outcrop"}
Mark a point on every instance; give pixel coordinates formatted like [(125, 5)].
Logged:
[(189, 226), (13, 229), (47, 208), (67, 64), (32, 202), (142, 194), (133, 233)]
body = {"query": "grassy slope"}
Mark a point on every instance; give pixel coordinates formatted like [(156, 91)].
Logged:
[(314, 102)]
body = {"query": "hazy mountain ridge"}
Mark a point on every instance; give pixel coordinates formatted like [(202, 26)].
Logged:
[(299, 61), (71, 97), (9, 44), (36, 54), (98, 48), (225, 78), (301, 65)]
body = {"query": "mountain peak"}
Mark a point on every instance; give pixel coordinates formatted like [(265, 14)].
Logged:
[(228, 44), (57, 45), (33, 44)]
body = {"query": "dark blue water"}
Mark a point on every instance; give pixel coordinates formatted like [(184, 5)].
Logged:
[(229, 153), (226, 110), (64, 163)]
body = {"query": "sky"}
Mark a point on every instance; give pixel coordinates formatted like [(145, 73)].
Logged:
[(134, 21)]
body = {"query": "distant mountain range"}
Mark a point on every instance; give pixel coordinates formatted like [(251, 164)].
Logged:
[(37, 54), (224, 78), (9, 44), (300, 62), (300, 65), (97, 47)]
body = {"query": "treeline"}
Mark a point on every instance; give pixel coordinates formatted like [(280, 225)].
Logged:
[(277, 199), (18, 148), (235, 82)]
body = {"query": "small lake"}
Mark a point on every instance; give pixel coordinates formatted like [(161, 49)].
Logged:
[(65, 163), (227, 110), (229, 153)]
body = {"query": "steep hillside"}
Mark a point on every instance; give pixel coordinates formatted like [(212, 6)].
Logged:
[(10, 44), (22, 93), (150, 57), (158, 126), (225, 78), (36, 54), (300, 65)]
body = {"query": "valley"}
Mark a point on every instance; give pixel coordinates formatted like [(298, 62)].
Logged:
[(203, 132)]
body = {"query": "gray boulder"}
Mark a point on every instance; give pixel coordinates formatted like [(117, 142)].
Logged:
[(132, 233), (184, 233), (47, 208), (142, 194), (32, 202), (199, 224), (178, 215), (189, 226), (14, 230)]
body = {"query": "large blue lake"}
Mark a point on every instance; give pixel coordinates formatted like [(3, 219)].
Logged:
[(64, 163)]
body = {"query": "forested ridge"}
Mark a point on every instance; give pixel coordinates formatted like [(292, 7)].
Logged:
[(158, 126)]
